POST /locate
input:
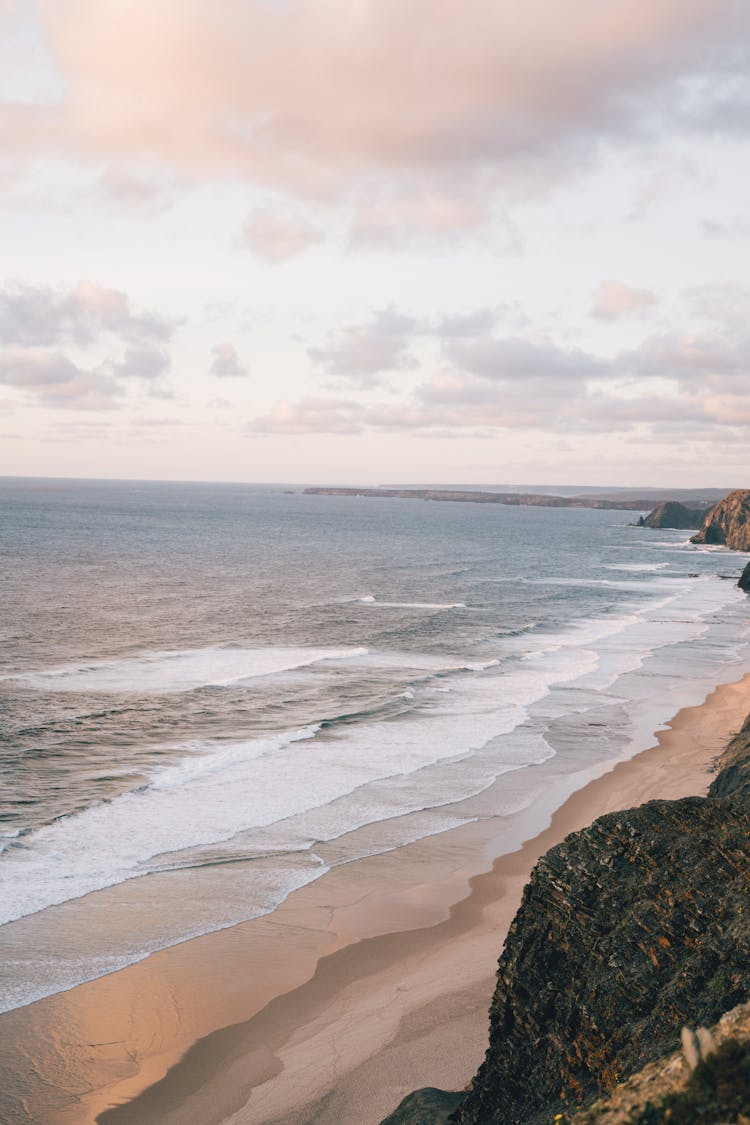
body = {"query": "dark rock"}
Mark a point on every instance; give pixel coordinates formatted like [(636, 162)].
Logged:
[(620, 939), (744, 582), (627, 931), (728, 523), (675, 515), (425, 1107), (734, 779), (710, 1084)]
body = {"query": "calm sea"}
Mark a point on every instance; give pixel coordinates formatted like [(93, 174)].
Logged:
[(210, 694)]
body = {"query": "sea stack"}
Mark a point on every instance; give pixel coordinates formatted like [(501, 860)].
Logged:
[(728, 523), (672, 514)]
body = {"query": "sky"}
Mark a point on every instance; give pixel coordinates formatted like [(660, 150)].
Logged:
[(376, 241)]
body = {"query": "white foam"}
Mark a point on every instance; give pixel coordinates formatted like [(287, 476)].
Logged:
[(636, 567), (370, 600), (219, 790), (213, 757), (157, 673)]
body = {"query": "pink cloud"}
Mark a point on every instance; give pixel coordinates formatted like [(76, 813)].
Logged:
[(309, 95), (274, 238), (311, 415), (614, 299), (55, 381)]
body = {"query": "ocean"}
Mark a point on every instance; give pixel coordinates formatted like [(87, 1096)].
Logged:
[(212, 694)]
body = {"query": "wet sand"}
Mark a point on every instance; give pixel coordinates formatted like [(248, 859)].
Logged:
[(360, 987)]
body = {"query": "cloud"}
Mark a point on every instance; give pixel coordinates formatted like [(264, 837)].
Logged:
[(36, 321), (711, 359), (676, 383), (311, 96), (44, 316), (514, 357), (226, 362), (123, 187), (476, 323), (724, 304), (143, 361), (366, 351), (311, 415), (55, 380), (35, 368), (734, 228), (276, 239), (614, 299), (466, 405)]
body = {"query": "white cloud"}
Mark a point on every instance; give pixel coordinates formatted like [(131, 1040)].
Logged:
[(514, 357), (42, 315), (55, 380), (143, 361), (364, 352), (226, 361)]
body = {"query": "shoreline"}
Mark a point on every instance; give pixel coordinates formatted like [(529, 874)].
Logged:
[(379, 991)]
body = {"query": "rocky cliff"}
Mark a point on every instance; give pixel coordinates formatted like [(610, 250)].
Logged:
[(627, 930), (673, 514), (708, 1081), (728, 523)]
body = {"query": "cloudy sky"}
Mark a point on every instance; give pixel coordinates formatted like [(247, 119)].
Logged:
[(362, 241)]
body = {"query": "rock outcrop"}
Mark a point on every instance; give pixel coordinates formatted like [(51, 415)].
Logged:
[(681, 1089), (744, 582), (627, 930), (675, 515), (425, 1107), (728, 522)]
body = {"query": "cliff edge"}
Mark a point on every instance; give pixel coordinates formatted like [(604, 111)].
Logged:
[(728, 523), (627, 930)]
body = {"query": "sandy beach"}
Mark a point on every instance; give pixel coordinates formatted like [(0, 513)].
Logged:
[(360, 987)]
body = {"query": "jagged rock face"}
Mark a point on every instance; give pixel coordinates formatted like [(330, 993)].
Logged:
[(744, 582), (627, 930), (673, 514), (734, 779), (676, 1090), (728, 523)]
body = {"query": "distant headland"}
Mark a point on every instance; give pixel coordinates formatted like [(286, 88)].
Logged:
[(624, 499)]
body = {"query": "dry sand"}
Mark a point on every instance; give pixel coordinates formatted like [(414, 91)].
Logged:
[(362, 986)]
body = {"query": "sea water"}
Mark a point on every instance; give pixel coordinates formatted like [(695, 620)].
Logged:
[(210, 694)]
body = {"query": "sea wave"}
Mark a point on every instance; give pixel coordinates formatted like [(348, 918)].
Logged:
[(157, 673)]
